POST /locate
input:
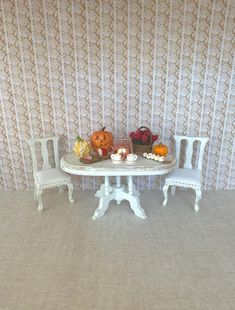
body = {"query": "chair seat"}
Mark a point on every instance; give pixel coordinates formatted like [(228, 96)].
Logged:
[(184, 176), (51, 177)]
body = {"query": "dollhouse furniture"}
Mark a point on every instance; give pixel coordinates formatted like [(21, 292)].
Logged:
[(48, 177), (188, 176), (117, 191)]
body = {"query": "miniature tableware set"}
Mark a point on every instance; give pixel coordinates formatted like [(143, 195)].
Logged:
[(117, 158)]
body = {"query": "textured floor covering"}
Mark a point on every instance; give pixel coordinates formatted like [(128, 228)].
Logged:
[(61, 259)]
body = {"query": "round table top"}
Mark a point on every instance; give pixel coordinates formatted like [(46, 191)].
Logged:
[(142, 166)]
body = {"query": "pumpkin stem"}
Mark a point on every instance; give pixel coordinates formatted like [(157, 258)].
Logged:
[(79, 139), (103, 129)]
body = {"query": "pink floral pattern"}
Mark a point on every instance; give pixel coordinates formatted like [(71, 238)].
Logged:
[(68, 68)]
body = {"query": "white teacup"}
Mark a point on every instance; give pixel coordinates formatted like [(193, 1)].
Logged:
[(131, 157), (116, 157)]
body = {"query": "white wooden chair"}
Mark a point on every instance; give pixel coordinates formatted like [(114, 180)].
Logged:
[(187, 176), (48, 177)]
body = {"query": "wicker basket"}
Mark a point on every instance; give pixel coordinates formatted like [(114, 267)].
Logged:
[(141, 149)]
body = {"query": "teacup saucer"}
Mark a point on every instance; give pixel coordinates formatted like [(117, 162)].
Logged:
[(116, 161), (130, 161)]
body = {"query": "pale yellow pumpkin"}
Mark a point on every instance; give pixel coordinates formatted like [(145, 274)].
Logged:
[(81, 147)]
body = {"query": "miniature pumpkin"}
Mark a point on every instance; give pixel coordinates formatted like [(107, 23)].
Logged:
[(160, 149), (81, 147), (101, 139)]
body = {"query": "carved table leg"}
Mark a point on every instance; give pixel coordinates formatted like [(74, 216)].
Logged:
[(118, 186), (130, 185), (118, 192), (105, 197), (105, 189), (103, 206), (136, 207), (134, 200)]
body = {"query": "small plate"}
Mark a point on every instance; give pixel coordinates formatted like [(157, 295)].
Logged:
[(117, 161), (130, 162)]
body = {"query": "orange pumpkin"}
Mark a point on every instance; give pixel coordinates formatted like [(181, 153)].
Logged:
[(160, 149), (101, 139)]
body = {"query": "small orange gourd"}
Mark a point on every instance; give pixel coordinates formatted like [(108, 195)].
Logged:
[(101, 139), (160, 149)]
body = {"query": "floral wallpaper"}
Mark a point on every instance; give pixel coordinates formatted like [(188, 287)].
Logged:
[(68, 67)]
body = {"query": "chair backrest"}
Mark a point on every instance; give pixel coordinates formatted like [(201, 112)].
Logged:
[(189, 150), (44, 150)]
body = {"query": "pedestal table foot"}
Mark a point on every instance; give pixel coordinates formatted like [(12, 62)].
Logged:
[(136, 207), (103, 206)]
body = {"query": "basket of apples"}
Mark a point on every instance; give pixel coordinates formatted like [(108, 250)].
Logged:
[(142, 140)]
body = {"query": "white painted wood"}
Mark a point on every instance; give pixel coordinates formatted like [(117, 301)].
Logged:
[(45, 156), (198, 197), (189, 154), (39, 197), (70, 163), (106, 186), (118, 191), (177, 151), (130, 185), (172, 190), (56, 153), (201, 152), (70, 192), (48, 177), (189, 150), (186, 177), (165, 189)]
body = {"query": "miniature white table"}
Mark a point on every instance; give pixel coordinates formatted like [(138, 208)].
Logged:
[(141, 167)]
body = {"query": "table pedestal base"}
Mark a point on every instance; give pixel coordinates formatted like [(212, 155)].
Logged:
[(118, 192)]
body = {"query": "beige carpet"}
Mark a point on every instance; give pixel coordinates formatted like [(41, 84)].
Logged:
[(61, 259)]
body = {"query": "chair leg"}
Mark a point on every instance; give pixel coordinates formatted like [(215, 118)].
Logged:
[(198, 197), (34, 193), (70, 192), (165, 189), (39, 198), (61, 189), (173, 190)]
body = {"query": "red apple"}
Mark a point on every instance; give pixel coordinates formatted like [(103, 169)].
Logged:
[(102, 152)]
